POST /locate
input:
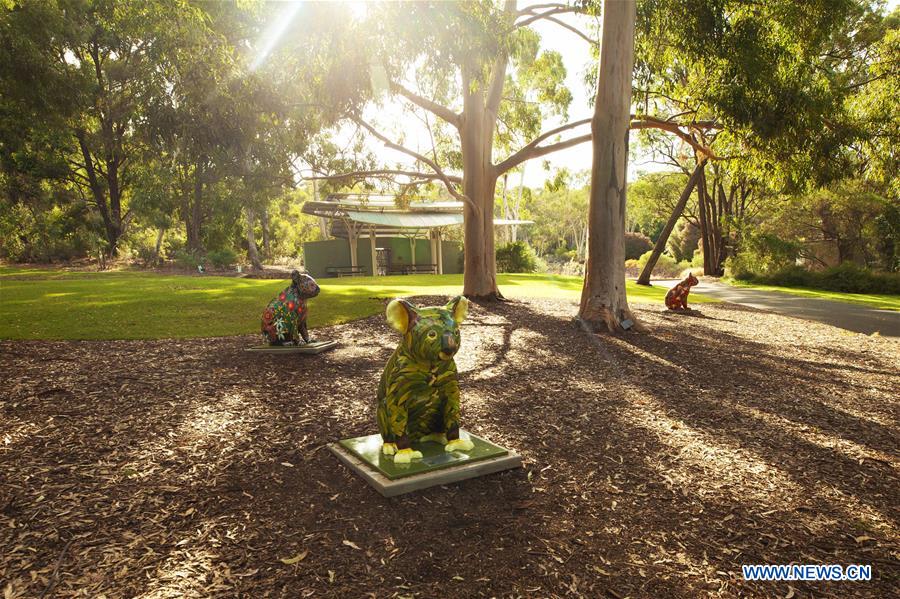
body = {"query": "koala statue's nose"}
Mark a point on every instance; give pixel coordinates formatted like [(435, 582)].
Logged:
[(449, 344)]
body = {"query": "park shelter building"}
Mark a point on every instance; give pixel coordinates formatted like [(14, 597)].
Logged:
[(372, 234)]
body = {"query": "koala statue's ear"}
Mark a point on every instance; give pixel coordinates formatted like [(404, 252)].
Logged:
[(401, 315), (459, 307)]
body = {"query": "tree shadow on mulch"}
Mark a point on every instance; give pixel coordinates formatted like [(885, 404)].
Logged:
[(656, 464)]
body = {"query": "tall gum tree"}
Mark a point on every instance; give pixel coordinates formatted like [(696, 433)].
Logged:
[(495, 62), (604, 304), (479, 59)]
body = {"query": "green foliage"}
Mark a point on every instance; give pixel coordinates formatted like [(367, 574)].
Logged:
[(636, 244), (666, 267), (845, 278), (683, 241), (56, 234), (223, 258), (650, 201), (762, 253), (518, 256), (187, 259)]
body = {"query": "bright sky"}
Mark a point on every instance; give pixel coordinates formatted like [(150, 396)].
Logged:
[(394, 122), (576, 58)]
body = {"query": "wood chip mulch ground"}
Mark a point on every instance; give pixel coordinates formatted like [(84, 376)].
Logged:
[(656, 464)]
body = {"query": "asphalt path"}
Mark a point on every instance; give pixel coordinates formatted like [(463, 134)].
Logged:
[(852, 317)]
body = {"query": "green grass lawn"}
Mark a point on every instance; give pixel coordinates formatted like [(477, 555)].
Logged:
[(57, 304), (872, 300)]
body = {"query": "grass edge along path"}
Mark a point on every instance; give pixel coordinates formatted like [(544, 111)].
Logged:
[(55, 304), (880, 301)]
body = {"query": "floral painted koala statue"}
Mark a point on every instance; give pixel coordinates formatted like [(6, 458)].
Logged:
[(284, 319), (418, 397), (676, 298)]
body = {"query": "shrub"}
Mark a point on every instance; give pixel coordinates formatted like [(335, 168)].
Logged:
[(665, 267), (683, 241), (187, 260), (636, 244), (632, 268), (224, 258), (517, 256), (845, 278)]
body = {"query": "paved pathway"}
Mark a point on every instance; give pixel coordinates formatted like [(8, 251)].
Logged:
[(853, 317)]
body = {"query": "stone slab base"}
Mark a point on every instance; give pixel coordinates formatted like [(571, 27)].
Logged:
[(440, 474), (316, 347)]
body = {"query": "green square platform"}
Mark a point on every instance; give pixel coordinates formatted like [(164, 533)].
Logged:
[(436, 467), (314, 347)]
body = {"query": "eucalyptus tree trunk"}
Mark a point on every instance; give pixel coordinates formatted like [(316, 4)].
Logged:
[(476, 134), (603, 300)]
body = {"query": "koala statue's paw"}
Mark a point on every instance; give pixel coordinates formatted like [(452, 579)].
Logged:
[(436, 438), (459, 445), (389, 448), (405, 455)]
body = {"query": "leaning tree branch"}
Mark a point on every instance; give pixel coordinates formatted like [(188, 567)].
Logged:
[(527, 10), (536, 152), (536, 16), (429, 105), (649, 122), (526, 152), (431, 163), (574, 30)]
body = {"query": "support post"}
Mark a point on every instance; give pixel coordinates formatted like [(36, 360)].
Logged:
[(440, 252), (433, 259), (374, 251), (351, 239), (412, 249)]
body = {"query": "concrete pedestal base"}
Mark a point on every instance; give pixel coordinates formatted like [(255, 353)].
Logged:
[(315, 347), (436, 467)]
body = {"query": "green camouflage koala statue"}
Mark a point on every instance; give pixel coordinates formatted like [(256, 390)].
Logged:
[(418, 397)]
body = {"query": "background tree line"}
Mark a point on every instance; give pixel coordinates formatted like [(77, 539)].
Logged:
[(182, 129)]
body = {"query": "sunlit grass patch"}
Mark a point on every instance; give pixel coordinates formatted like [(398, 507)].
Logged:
[(53, 304)]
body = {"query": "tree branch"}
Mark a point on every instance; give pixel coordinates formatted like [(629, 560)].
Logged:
[(574, 30), (525, 152), (434, 166), (433, 107), (381, 173), (536, 16), (538, 151), (648, 122)]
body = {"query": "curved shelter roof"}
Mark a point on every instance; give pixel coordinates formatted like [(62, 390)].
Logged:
[(382, 213)]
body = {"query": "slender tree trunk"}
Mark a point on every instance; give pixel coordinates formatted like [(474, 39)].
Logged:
[(266, 241), (515, 228), (158, 248), (644, 278), (704, 227), (110, 225), (251, 239), (603, 300), (194, 212), (506, 229)]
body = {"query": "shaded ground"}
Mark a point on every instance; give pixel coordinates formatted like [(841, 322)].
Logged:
[(655, 464)]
